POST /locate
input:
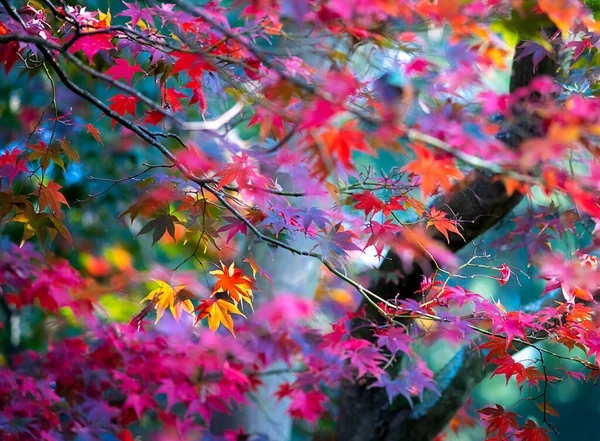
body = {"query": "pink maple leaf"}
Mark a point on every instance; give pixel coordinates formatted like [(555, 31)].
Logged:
[(395, 339), (122, 69), (367, 361), (139, 403), (307, 405), (92, 44)]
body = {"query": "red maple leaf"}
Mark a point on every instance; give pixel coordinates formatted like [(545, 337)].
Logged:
[(532, 432), (269, 122), (9, 54), (509, 367), (197, 95), (154, 117), (122, 104), (394, 203), (368, 202), (381, 234), (498, 420), (240, 171), (504, 274), (532, 376), (497, 349), (194, 64), (172, 98)]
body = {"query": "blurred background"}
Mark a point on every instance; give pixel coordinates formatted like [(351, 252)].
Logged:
[(108, 250)]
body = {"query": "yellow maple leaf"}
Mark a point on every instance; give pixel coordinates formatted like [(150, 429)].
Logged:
[(176, 299), (218, 312), (105, 17)]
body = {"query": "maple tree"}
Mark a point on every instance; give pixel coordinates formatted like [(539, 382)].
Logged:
[(150, 149)]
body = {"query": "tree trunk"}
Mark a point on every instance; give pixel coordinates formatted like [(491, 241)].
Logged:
[(291, 274), (481, 201)]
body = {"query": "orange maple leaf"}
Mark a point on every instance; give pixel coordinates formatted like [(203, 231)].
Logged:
[(438, 220), (233, 280), (433, 171), (342, 141), (218, 312), (50, 196)]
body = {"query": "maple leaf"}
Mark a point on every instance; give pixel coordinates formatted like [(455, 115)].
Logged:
[(233, 227), (368, 202), (91, 44), (9, 54), (46, 154), (177, 299), (172, 99), (393, 204), (317, 217), (153, 117), (307, 405), (498, 420), (122, 104), (497, 349), (416, 205), (197, 95), (547, 408), (367, 361), (532, 432), (269, 122), (433, 172), (240, 171), (438, 220), (68, 151), (396, 339), (122, 69), (139, 402), (94, 132), (257, 269), (381, 234), (337, 241), (218, 312), (514, 325), (509, 367), (532, 376), (504, 274), (232, 280), (160, 226), (136, 13), (193, 64), (341, 142), (11, 165), (50, 196)]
